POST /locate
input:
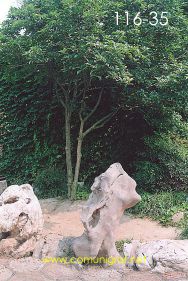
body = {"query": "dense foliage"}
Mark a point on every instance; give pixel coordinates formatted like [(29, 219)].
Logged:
[(143, 69), (161, 206)]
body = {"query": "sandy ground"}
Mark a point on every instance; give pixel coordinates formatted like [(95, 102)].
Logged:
[(63, 217)]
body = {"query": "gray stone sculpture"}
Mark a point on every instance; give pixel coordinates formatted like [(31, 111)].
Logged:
[(159, 256), (21, 221), (112, 193)]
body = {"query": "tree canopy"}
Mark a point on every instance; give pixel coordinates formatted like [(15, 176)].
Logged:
[(77, 86)]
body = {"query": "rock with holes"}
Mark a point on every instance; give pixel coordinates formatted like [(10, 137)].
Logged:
[(159, 256), (21, 221), (112, 193)]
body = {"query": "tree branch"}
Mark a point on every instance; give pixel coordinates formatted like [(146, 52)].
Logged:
[(81, 110), (95, 107), (65, 93), (60, 98), (100, 123), (61, 86), (75, 91)]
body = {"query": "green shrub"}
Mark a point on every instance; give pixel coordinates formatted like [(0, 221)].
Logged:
[(161, 206), (33, 160), (163, 164), (120, 243), (50, 182), (83, 191), (184, 234)]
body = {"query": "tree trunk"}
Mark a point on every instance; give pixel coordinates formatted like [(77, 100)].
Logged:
[(68, 150), (78, 162)]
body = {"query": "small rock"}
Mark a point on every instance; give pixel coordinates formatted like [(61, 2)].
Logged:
[(54, 245), (178, 217), (3, 185)]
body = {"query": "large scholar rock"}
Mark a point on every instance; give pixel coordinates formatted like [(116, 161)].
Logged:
[(159, 256), (21, 221), (112, 193)]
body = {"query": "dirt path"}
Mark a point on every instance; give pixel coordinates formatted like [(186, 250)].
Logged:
[(63, 217)]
